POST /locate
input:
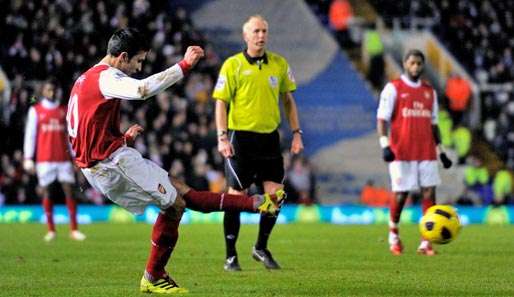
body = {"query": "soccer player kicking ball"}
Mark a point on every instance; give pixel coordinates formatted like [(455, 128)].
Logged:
[(46, 140), (120, 172), (409, 106)]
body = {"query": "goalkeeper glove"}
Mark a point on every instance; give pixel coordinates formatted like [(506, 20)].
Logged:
[(447, 163)]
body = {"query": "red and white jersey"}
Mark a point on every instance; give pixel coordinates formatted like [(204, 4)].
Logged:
[(411, 108), (45, 133), (94, 108)]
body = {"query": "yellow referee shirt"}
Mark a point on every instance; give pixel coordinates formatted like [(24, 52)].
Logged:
[(252, 88)]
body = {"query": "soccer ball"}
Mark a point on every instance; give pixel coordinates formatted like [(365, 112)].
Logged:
[(440, 224)]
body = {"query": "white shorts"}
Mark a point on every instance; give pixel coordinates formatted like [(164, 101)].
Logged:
[(48, 172), (132, 181), (411, 175)]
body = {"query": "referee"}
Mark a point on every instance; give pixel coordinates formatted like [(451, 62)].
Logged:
[(250, 85)]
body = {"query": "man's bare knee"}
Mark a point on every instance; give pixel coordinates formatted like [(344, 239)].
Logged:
[(181, 187)]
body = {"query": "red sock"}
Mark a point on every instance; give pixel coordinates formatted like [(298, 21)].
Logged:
[(48, 207), (72, 211), (395, 208), (164, 238), (208, 201), (426, 203)]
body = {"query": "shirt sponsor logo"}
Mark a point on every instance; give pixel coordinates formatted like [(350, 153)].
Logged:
[(417, 112), (273, 81), (52, 126), (220, 84)]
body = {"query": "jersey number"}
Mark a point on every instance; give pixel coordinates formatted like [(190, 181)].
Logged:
[(72, 116)]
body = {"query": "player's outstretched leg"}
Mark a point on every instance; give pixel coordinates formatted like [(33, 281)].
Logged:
[(395, 210), (270, 203), (208, 201), (164, 238)]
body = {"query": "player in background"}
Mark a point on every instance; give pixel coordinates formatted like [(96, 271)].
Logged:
[(252, 83), (119, 171), (46, 140), (409, 107)]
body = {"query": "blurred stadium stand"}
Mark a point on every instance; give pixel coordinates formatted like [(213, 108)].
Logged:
[(469, 38), (337, 104), (337, 108), (63, 39)]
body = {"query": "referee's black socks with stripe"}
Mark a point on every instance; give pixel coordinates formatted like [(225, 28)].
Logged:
[(266, 224), (231, 226)]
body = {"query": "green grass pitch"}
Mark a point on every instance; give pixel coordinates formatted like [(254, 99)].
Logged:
[(317, 260)]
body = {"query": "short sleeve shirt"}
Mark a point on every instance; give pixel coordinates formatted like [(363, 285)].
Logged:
[(252, 90)]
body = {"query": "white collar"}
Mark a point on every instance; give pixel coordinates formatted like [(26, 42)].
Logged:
[(409, 82), (49, 104)]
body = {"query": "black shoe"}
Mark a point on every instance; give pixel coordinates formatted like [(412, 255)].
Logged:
[(231, 264), (265, 257)]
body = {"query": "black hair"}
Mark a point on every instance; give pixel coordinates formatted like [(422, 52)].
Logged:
[(415, 53), (128, 40)]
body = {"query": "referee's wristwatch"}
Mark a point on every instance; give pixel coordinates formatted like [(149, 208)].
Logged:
[(222, 135), (299, 131)]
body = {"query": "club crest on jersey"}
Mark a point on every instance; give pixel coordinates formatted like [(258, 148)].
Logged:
[(161, 189), (427, 95), (273, 81)]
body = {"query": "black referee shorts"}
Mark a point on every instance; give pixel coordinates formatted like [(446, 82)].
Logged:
[(257, 158)]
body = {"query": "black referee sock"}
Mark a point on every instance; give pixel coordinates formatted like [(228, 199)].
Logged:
[(265, 226), (231, 225)]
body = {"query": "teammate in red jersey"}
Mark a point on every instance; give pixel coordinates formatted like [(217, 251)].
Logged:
[(46, 140), (119, 171), (410, 107)]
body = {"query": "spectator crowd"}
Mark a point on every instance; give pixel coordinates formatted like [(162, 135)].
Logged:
[(61, 39), (480, 35)]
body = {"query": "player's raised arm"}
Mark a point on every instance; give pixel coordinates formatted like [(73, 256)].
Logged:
[(115, 83)]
